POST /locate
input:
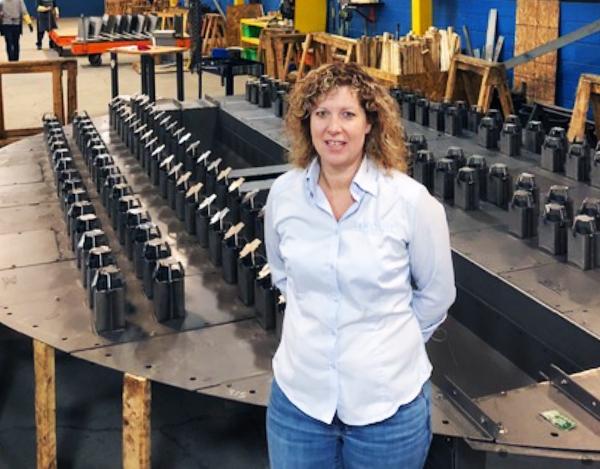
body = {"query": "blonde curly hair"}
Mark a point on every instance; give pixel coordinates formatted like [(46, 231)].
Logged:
[(384, 144)]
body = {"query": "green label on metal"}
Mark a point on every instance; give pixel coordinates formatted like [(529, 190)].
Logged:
[(560, 421)]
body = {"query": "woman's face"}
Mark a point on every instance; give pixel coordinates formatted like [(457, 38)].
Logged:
[(338, 127)]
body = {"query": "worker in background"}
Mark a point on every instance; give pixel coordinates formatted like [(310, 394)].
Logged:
[(47, 14), (12, 14)]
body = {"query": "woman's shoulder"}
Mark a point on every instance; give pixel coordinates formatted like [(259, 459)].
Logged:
[(288, 181), (398, 185)]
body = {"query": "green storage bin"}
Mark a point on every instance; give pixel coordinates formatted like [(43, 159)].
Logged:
[(250, 53)]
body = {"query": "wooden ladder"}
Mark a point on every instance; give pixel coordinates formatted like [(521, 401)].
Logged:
[(588, 92), (478, 73)]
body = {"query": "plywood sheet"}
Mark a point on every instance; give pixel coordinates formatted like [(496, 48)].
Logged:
[(536, 24), (234, 14)]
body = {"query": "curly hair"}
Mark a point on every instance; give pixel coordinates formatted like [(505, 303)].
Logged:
[(384, 144)]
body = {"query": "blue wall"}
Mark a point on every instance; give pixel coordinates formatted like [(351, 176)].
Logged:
[(580, 57), (74, 7)]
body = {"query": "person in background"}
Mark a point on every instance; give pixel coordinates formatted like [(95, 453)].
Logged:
[(47, 14), (13, 13), (361, 253)]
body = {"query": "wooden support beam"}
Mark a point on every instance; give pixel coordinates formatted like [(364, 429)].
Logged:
[(136, 422), (451, 83), (596, 112), (580, 109), (71, 92), (57, 95), (45, 405)]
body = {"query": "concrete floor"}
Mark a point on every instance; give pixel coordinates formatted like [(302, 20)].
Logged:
[(188, 430), (28, 97)]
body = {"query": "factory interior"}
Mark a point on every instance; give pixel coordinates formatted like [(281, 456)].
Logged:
[(139, 141)]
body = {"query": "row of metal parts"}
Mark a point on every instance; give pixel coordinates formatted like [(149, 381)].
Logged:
[(576, 160), (223, 208), (116, 27), (268, 92), (464, 181), (100, 275)]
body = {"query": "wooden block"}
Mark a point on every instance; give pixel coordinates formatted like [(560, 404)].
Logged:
[(45, 405), (136, 422)]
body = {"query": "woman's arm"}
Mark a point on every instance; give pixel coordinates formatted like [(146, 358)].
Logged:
[(431, 265), (272, 241)]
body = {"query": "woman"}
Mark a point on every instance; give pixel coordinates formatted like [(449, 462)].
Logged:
[(47, 12), (13, 13), (361, 252)]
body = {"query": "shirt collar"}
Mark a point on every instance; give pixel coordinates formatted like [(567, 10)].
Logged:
[(365, 178)]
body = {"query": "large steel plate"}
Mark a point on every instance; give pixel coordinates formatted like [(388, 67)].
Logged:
[(14, 157), (56, 310), (20, 174), (254, 390), (25, 194), (28, 248), (519, 410), (565, 288), (459, 354), (30, 218), (461, 220), (194, 359), (497, 251)]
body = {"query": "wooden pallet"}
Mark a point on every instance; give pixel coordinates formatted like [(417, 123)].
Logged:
[(588, 93), (475, 80)]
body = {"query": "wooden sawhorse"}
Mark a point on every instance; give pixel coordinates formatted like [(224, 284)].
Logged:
[(326, 48), (212, 32), (478, 78), (588, 93)]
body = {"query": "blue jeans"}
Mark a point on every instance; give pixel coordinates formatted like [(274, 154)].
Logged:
[(297, 441)]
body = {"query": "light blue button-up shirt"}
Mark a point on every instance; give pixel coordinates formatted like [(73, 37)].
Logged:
[(354, 333)]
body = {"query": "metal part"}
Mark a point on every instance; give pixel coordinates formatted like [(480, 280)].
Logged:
[(470, 409), (563, 382)]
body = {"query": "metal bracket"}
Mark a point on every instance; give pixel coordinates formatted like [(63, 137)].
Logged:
[(470, 409), (581, 396)]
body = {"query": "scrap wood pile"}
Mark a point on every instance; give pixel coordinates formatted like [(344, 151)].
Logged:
[(411, 54)]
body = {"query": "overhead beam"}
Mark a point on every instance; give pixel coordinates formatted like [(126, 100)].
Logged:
[(551, 46)]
